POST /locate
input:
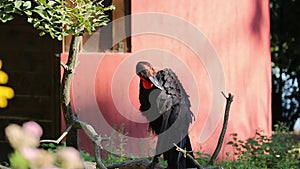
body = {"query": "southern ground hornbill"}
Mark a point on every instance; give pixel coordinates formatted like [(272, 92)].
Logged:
[(165, 104)]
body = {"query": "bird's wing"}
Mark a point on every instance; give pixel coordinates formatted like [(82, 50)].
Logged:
[(174, 106), (173, 101)]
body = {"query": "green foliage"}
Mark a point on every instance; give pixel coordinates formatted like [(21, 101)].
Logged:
[(162, 162), (10, 7), (264, 152), (281, 128), (116, 146), (51, 147), (59, 18), (18, 161), (56, 17), (86, 156), (202, 158)]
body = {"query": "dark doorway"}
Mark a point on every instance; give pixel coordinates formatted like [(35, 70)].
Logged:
[(32, 63)]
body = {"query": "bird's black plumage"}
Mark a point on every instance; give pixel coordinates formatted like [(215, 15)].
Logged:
[(166, 106)]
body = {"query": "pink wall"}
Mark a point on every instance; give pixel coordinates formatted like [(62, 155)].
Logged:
[(212, 46)]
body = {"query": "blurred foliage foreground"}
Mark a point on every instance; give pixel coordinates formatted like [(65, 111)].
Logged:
[(262, 152), (25, 140)]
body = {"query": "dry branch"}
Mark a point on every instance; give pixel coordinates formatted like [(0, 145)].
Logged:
[(229, 100)]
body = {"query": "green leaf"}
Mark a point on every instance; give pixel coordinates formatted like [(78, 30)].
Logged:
[(29, 20), (46, 26), (28, 12), (39, 9), (27, 5), (6, 17), (230, 143), (43, 2), (18, 4), (36, 23), (59, 37), (64, 34), (42, 33), (8, 9), (51, 3)]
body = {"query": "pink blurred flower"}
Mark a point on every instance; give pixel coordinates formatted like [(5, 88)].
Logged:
[(34, 128), (30, 153), (38, 158), (70, 158), (18, 138)]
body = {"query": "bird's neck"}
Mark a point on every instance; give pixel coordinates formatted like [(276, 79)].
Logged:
[(146, 84)]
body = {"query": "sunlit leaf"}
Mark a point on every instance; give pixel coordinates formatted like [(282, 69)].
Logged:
[(27, 5)]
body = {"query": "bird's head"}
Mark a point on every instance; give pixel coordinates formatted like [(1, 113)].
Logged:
[(147, 75)]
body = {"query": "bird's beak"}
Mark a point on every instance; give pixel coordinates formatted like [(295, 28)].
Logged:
[(155, 82)]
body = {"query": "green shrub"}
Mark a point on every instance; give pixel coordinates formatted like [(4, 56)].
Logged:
[(263, 152)]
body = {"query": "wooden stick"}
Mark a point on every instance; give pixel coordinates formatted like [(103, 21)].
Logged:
[(229, 99), (59, 139), (185, 154)]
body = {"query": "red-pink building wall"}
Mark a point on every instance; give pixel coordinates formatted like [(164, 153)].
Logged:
[(212, 46)]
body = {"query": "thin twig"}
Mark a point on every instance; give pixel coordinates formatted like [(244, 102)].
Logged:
[(187, 155), (229, 99), (59, 139)]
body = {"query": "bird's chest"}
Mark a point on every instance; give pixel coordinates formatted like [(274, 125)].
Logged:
[(148, 99), (148, 103)]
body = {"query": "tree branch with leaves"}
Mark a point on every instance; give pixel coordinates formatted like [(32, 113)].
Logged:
[(61, 18)]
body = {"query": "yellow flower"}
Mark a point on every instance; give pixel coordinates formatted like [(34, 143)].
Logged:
[(3, 77), (5, 92)]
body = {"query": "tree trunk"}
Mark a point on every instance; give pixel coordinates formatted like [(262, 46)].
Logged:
[(69, 70)]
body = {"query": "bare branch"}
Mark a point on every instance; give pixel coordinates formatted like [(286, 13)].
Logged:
[(229, 99), (185, 154), (59, 139), (97, 140)]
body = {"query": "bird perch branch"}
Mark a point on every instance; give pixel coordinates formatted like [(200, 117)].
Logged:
[(97, 140), (229, 100), (186, 155)]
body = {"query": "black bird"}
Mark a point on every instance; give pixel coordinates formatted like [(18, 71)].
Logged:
[(165, 104)]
